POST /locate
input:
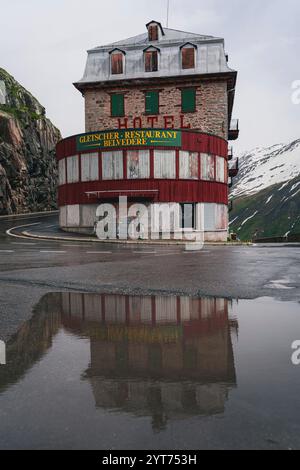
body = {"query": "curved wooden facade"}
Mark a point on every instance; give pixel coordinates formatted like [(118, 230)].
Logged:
[(160, 190)]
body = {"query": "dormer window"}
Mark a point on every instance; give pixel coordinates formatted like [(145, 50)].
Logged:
[(188, 54), (155, 31), (151, 59), (117, 62)]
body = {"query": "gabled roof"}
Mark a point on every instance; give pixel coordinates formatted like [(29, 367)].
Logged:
[(151, 48), (188, 44), (117, 49)]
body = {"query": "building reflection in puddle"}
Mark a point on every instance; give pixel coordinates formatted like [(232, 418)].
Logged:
[(163, 357)]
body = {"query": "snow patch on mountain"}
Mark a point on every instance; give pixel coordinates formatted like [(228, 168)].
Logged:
[(264, 167)]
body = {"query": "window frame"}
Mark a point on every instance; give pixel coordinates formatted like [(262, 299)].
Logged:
[(151, 28), (194, 216), (119, 53), (156, 92), (184, 108), (116, 114), (151, 50), (186, 48)]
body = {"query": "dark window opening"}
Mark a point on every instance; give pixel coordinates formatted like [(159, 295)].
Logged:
[(117, 105), (188, 219), (188, 58), (117, 63), (188, 100), (151, 61), (152, 102), (153, 33)]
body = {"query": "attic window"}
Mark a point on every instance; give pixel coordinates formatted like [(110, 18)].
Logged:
[(153, 32), (117, 62), (151, 60), (188, 57)]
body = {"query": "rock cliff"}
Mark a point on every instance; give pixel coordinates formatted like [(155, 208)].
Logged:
[(28, 172)]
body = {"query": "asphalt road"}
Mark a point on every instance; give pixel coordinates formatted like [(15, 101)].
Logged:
[(29, 268)]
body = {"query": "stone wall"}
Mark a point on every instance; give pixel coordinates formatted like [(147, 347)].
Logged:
[(211, 114)]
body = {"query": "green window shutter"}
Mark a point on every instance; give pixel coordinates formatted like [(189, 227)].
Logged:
[(188, 100), (117, 105), (152, 102)]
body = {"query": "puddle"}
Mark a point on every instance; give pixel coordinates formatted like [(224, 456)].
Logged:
[(119, 372)]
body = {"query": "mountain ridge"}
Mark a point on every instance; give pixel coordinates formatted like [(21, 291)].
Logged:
[(266, 193)]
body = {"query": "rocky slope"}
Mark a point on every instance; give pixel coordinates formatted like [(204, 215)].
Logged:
[(266, 193), (28, 173)]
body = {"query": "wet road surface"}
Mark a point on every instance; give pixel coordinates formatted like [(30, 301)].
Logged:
[(119, 346)]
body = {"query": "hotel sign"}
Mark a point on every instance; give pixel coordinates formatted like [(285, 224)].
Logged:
[(128, 138)]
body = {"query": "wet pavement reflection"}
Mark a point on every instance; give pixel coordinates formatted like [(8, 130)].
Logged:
[(115, 371)]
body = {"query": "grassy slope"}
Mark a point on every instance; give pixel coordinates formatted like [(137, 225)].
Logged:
[(275, 218)]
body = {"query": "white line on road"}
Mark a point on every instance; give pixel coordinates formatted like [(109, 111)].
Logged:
[(144, 252), (9, 232), (7, 251), (20, 243), (99, 252), (55, 252), (72, 246)]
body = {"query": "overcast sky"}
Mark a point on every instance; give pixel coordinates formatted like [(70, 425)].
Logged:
[(43, 45)]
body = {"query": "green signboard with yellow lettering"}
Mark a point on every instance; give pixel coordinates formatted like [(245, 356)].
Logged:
[(128, 138)]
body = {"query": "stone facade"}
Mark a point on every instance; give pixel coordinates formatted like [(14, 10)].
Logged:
[(211, 114)]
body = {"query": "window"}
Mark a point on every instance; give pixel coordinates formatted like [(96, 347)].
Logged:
[(188, 165), (164, 164), (152, 102), (117, 105), (117, 63), (62, 172), (138, 164), (220, 169), (207, 167), (151, 61), (209, 217), (73, 169), (188, 216), (188, 57), (89, 167), (221, 217), (153, 32), (112, 165), (188, 100)]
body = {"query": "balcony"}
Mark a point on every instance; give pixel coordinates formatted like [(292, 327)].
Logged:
[(233, 132), (233, 168), (230, 153)]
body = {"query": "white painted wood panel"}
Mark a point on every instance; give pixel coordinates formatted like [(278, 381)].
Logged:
[(188, 165), (73, 169), (164, 164), (112, 165)]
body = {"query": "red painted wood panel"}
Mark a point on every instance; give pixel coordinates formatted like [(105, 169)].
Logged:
[(161, 191)]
